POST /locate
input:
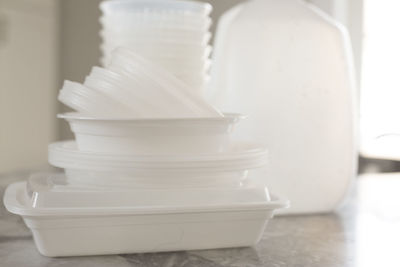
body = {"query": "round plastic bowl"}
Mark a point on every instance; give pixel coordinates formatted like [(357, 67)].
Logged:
[(102, 170), (152, 136)]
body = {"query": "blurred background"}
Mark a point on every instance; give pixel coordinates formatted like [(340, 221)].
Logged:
[(43, 42)]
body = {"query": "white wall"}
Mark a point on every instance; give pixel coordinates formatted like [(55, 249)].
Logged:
[(28, 76)]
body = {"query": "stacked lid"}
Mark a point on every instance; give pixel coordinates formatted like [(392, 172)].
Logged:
[(131, 86), (173, 34)]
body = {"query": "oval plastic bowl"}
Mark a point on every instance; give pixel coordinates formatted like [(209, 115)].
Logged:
[(216, 170), (152, 136)]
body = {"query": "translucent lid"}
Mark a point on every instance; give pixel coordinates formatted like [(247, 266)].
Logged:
[(50, 191)]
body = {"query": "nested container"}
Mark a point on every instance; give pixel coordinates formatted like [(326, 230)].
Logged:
[(133, 87), (152, 136), (156, 29), (227, 169), (77, 221)]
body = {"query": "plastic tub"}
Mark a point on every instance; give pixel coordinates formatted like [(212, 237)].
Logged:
[(181, 7), (228, 169), (110, 228), (147, 136)]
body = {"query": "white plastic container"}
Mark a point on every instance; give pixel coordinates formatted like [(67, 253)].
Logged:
[(112, 229), (177, 30), (210, 170), (152, 136), (288, 66)]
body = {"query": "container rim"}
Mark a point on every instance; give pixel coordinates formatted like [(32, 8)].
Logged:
[(255, 153), (14, 203)]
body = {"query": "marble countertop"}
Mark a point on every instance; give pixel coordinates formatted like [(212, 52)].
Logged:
[(364, 232)]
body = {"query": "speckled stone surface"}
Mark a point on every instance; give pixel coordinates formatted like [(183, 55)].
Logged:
[(364, 232)]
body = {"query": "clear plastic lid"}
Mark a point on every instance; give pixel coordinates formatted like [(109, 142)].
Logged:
[(51, 191)]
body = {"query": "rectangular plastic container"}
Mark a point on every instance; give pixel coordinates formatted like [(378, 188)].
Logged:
[(77, 231)]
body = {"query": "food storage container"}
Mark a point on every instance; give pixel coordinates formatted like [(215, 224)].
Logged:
[(223, 169), (152, 136), (74, 223)]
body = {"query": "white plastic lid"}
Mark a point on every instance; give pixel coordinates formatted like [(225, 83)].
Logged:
[(46, 195)]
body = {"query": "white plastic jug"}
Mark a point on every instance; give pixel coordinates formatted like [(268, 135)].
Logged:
[(288, 66)]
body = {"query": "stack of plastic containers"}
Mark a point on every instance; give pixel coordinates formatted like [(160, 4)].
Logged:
[(153, 168), (174, 34)]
